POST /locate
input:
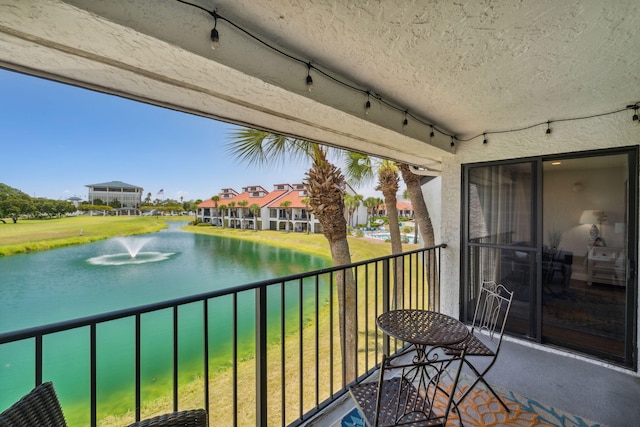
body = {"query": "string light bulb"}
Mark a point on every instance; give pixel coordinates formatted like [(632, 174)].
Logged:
[(484, 141), (405, 122), (215, 37), (432, 134), (635, 115), (309, 78), (453, 144), (548, 132), (367, 105)]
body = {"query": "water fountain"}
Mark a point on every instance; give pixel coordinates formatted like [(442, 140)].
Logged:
[(133, 246), (134, 254)]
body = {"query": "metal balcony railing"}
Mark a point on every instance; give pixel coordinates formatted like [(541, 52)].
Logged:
[(266, 353)]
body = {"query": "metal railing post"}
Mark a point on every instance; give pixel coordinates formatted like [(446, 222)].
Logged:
[(386, 302), (261, 356)]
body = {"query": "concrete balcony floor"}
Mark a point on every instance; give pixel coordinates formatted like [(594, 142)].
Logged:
[(584, 387)]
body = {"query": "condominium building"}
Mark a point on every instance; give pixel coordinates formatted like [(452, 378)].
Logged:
[(128, 195)]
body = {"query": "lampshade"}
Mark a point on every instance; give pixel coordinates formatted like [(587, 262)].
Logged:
[(591, 217)]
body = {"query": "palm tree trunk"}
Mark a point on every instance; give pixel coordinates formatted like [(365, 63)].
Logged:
[(423, 222), (325, 184)]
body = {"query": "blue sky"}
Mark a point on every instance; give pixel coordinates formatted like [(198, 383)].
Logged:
[(57, 138)]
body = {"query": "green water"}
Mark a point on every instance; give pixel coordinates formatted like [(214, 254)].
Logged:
[(63, 284)]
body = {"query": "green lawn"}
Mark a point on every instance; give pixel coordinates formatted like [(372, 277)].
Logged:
[(313, 244), (42, 234)]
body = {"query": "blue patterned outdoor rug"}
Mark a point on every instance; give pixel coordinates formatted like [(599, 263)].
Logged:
[(481, 409)]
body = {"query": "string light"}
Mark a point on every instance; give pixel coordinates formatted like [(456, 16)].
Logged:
[(367, 105), (215, 38), (405, 122), (309, 78), (635, 114)]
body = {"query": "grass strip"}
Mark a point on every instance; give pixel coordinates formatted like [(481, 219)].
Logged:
[(44, 234)]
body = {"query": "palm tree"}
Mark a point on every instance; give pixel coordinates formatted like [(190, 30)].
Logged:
[(362, 168), (223, 208), (358, 198), (254, 208), (243, 204), (231, 205), (325, 187), (286, 205), (370, 203), (423, 223), (351, 203), (305, 201), (420, 210), (388, 184), (388, 180), (215, 199)]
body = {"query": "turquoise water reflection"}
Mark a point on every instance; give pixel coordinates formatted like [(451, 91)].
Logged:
[(61, 284)]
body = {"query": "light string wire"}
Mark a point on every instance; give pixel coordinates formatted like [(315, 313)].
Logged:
[(368, 93)]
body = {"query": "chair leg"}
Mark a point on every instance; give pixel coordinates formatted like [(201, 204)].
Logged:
[(480, 378)]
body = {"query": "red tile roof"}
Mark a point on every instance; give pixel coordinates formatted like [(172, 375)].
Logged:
[(261, 201), (401, 205), (294, 197)]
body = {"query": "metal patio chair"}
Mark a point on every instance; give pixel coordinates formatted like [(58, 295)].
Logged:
[(418, 392), (40, 407), (487, 329), (189, 418)]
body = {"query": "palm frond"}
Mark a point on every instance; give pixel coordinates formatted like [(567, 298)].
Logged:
[(358, 168), (257, 147)]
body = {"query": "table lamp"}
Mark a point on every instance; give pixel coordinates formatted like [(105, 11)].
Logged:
[(593, 217)]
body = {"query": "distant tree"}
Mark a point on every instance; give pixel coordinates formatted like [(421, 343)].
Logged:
[(351, 203), (147, 199), (370, 203), (223, 208), (51, 208), (254, 208), (215, 199), (86, 207), (243, 204), (286, 205), (116, 204), (231, 205), (14, 203), (305, 202)]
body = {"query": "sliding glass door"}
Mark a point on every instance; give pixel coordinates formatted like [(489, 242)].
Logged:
[(556, 231)]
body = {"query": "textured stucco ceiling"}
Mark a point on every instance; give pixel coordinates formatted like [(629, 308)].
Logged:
[(469, 66), (465, 66)]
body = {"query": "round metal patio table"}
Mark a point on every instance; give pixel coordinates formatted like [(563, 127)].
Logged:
[(423, 327)]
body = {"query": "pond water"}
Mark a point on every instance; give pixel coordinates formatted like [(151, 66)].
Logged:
[(68, 283)]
